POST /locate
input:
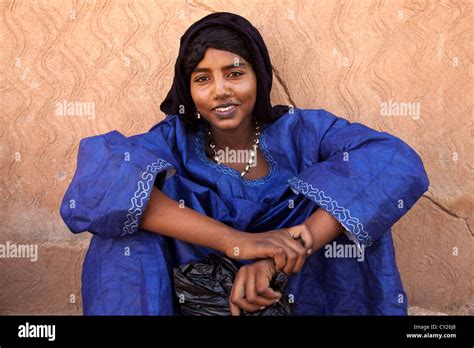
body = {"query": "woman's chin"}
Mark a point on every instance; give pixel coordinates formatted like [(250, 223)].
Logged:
[(226, 123)]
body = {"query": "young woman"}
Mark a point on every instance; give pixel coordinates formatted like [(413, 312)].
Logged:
[(315, 196)]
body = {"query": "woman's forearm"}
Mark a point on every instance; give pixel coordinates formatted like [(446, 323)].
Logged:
[(163, 215), (324, 228)]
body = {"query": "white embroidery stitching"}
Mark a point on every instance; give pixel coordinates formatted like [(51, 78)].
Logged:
[(140, 195), (341, 213)]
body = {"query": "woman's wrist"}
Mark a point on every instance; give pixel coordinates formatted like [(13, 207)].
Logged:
[(323, 227), (229, 243)]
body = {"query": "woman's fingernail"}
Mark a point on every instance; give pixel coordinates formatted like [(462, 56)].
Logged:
[(309, 251), (263, 307)]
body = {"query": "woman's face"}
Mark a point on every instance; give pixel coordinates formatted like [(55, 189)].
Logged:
[(223, 77)]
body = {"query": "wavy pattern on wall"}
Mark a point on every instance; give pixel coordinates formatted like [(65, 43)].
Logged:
[(116, 60)]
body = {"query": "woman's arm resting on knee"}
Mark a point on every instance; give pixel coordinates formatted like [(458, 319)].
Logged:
[(163, 215)]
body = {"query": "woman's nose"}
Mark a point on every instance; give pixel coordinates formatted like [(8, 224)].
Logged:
[(221, 87)]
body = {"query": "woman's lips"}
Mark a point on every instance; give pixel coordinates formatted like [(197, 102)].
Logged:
[(228, 113)]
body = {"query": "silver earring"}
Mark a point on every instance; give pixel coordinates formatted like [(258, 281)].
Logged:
[(198, 115)]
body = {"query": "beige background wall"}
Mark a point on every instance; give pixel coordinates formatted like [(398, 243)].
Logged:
[(349, 57)]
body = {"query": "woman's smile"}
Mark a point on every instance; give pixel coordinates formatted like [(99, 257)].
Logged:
[(226, 112)]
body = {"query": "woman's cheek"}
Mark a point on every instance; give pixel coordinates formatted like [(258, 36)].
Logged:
[(200, 98), (247, 90)]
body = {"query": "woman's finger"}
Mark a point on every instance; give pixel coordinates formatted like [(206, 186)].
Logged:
[(238, 291), (246, 301), (284, 257), (291, 256), (304, 235), (263, 289), (246, 306), (251, 294), (270, 294), (279, 256), (307, 237), (237, 298), (300, 254)]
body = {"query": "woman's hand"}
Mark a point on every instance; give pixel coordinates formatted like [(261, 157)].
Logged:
[(288, 247), (251, 290)]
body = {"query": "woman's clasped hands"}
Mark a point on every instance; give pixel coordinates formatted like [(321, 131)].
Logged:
[(284, 249)]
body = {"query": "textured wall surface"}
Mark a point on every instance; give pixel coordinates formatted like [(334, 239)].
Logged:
[(397, 66)]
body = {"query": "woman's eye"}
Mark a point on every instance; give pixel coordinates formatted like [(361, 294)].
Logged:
[(199, 79), (236, 72)]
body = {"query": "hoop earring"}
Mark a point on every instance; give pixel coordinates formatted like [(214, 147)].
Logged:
[(198, 115)]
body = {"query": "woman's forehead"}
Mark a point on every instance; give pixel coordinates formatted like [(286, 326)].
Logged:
[(217, 58)]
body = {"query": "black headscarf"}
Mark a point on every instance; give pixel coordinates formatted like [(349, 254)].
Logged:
[(180, 95)]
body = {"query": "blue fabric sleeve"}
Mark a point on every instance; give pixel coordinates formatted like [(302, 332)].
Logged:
[(366, 179), (112, 183)]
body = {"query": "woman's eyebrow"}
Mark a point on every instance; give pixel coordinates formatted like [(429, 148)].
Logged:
[(227, 67)]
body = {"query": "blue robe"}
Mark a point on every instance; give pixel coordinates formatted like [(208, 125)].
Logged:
[(366, 179)]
